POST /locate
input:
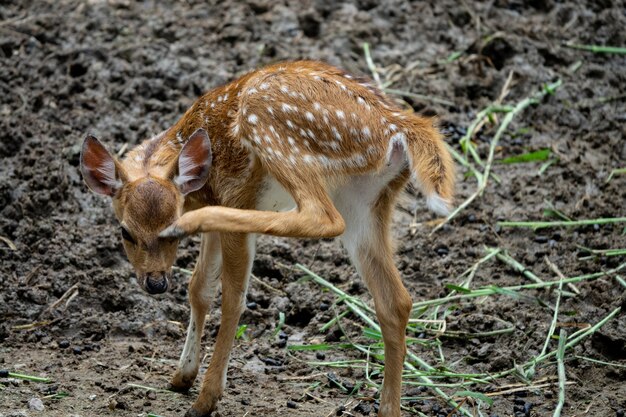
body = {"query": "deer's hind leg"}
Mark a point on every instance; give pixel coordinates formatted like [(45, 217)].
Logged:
[(368, 241)]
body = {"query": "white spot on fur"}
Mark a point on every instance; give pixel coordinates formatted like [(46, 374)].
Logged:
[(290, 124), (340, 114), (264, 86), (317, 106), (288, 108), (309, 116), (336, 133), (253, 119)]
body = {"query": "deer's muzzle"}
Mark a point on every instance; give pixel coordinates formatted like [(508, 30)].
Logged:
[(156, 282)]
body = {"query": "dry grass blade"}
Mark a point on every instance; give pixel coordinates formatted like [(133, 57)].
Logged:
[(8, 242)]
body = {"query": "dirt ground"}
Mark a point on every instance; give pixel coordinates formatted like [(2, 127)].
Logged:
[(125, 70)]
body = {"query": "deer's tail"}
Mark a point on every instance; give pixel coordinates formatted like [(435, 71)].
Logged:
[(431, 164)]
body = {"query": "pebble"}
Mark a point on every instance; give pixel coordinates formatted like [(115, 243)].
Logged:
[(35, 404), (282, 335), (619, 413), (245, 401), (4, 373), (320, 355), (252, 305), (324, 306), (77, 350), (363, 408), (541, 239), (291, 404), (64, 344), (442, 250)]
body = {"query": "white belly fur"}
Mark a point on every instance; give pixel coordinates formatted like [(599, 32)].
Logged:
[(274, 197)]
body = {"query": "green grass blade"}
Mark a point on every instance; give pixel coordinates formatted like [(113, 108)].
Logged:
[(540, 155)]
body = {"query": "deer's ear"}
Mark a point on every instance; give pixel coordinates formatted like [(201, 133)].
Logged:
[(100, 170), (194, 162)]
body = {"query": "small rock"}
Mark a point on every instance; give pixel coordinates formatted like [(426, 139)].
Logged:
[(92, 397), (151, 395), (245, 401), (541, 239), (64, 344), (324, 306), (442, 250), (291, 404), (77, 350), (619, 413), (282, 335), (320, 355), (252, 305), (35, 404), (4, 373), (363, 408)]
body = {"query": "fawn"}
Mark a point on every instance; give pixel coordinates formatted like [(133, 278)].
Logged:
[(297, 149)]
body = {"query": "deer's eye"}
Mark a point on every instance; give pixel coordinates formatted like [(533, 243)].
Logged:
[(127, 236)]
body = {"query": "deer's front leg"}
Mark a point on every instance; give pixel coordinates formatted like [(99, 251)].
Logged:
[(237, 255), (202, 286)]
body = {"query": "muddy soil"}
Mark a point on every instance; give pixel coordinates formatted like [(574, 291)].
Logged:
[(125, 70)]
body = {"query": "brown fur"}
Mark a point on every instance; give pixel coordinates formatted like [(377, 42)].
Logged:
[(311, 128)]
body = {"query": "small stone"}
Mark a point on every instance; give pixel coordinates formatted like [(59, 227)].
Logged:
[(4, 373), (282, 343), (36, 404), (77, 350), (151, 395), (252, 305), (320, 355), (527, 408), (92, 397), (291, 404), (64, 344), (283, 335), (442, 250), (363, 408), (245, 401), (541, 239), (619, 413), (324, 306)]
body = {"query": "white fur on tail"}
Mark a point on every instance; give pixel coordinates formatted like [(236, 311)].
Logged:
[(437, 204)]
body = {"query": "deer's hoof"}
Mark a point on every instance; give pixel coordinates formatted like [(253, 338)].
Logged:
[(192, 412), (180, 383)]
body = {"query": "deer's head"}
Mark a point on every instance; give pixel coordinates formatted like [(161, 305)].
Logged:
[(146, 202)]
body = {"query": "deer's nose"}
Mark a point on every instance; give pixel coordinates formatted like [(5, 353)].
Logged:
[(156, 282)]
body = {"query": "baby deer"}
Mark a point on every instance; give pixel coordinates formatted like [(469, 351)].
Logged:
[(297, 149)]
